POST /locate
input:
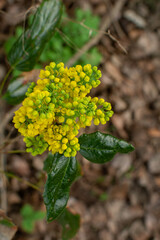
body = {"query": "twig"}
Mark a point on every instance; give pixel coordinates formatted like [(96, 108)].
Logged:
[(7, 138), (11, 175), (67, 39), (115, 40), (13, 151), (7, 142), (108, 33), (114, 16)]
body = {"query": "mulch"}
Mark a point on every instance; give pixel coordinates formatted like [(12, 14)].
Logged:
[(120, 199)]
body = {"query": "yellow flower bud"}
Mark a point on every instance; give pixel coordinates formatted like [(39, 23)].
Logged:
[(52, 64), (75, 103), (83, 88), (71, 136), (87, 79), (65, 140), (61, 119), (66, 154), (100, 101), (56, 80), (42, 74), (102, 120), (99, 112), (64, 146), (47, 73), (96, 121), (73, 84), (69, 150), (79, 68), (82, 75), (73, 153), (69, 121)]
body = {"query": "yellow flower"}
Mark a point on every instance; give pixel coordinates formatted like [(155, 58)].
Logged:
[(57, 106)]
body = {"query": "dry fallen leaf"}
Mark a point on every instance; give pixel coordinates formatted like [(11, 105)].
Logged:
[(154, 132)]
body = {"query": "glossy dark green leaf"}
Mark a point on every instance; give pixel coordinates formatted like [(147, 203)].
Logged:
[(48, 163), (70, 224), (62, 171), (27, 49), (100, 147), (9, 43), (16, 91)]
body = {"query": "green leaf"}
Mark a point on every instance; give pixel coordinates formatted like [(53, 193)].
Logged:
[(27, 49), (93, 57), (16, 91), (39, 215), (29, 218), (9, 43), (71, 37), (103, 196), (7, 227), (62, 171), (28, 225), (78, 33), (48, 163), (100, 147), (27, 211), (70, 224)]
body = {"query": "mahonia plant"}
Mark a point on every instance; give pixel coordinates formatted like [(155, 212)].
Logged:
[(58, 106), (54, 110)]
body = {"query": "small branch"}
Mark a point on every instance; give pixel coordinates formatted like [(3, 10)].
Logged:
[(13, 151), (116, 40), (108, 20), (11, 175), (108, 33), (67, 39), (7, 142)]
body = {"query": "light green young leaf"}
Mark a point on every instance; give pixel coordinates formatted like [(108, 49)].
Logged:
[(29, 217)]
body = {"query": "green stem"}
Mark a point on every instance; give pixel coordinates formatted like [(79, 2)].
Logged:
[(11, 175), (13, 151), (5, 79)]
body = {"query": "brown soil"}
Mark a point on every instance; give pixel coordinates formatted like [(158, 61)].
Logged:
[(120, 199)]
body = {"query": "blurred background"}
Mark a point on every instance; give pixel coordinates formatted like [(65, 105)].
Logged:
[(119, 200)]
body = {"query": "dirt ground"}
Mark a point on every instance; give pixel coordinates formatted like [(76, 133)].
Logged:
[(119, 200)]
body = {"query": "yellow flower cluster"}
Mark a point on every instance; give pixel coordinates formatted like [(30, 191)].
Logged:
[(58, 106)]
